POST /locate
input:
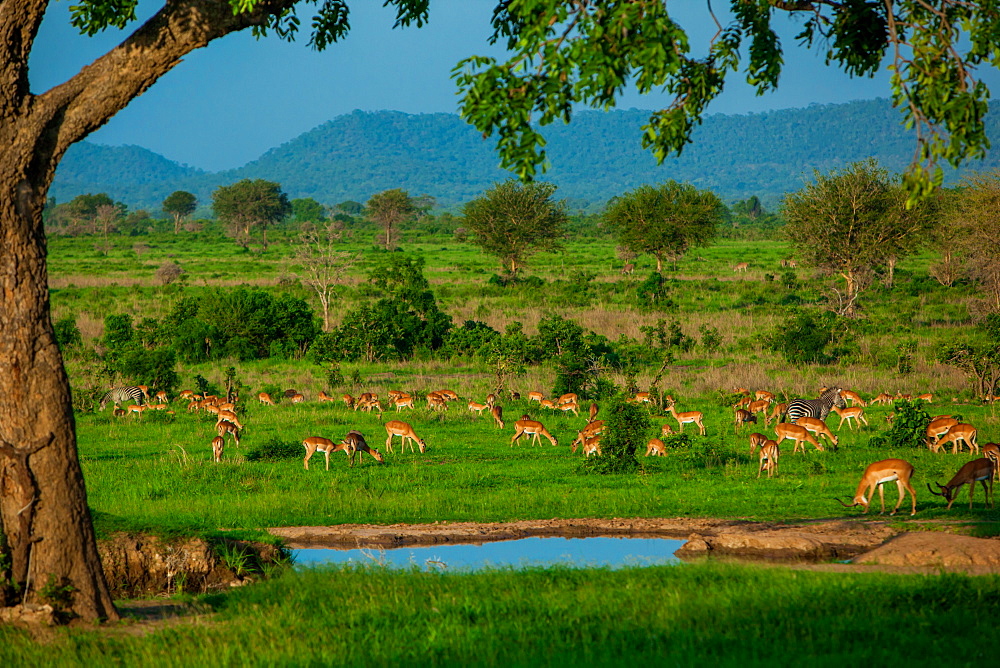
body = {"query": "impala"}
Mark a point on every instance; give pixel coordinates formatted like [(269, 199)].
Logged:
[(265, 399), (797, 433), (448, 395), (592, 446), (161, 397), (593, 411), (224, 427), (764, 394), (570, 407), (776, 412), (491, 399), (405, 401), (436, 402), (992, 451), (852, 398), (231, 417), (818, 427), (535, 396), (351, 444), (876, 475), (218, 445), (477, 408), (548, 403), (497, 413), (929, 398), (186, 394), (959, 433), (642, 398), (769, 453), (743, 417), (159, 407), (533, 429), (937, 428), (298, 398), (978, 470), (656, 448), (743, 403), (592, 429), (666, 430), (323, 396), (348, 400), (406, 435), (684, 418), (368, 404), (628, 269), (756, 440), (856, 413), (119, 412), (194, 406), (741, 266), (741, 390), (883, 398), (133, 408), (144, 389), (228, 406)]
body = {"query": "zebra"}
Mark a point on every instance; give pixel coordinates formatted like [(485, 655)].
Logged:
[(118, 395), (816, 408)]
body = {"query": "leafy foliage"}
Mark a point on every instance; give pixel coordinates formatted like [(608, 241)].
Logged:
[(389, 209), (250, 205), (805, 338), (275, 450), (909, 427), (627, 428)]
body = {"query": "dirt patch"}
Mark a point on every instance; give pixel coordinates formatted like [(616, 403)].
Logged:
[(876, 545)]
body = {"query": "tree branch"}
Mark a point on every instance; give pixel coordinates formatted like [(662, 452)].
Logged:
[(19, 22)]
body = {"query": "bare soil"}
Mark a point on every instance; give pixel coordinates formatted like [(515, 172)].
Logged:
[(862, 544)]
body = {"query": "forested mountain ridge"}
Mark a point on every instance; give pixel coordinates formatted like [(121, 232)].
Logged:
[(593, 159)]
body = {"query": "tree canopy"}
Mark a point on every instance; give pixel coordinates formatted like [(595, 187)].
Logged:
[(513, 221), (853, 221), (665, 220), (248, 205), (389, 209), (179, 204)]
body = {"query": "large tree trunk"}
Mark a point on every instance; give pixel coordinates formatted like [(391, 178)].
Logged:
[(43, 500)]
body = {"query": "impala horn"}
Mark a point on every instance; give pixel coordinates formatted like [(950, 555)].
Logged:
[(846, 505), (933, 492)]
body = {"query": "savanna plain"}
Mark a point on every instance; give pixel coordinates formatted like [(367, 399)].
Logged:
[(708, 331)]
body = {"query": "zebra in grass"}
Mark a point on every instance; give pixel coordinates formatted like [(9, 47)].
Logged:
[(816, 408), (119, 395)]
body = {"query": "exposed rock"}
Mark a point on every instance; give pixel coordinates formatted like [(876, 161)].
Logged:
[(935, 549), (28, 614)]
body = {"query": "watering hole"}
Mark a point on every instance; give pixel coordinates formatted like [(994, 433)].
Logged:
[(585, 552)]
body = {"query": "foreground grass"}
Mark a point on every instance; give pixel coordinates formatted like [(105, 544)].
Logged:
[(729, 614), (157, 474)]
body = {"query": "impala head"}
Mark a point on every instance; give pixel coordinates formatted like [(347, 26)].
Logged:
[(946, 491), (422, 445), (859, 500), (378, 455)]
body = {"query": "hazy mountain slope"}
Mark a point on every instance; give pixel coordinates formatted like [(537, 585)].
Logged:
[(596, 157)]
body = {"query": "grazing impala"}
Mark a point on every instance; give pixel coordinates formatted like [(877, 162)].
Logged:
[(642, 398), (992, 451), (353, 443), (535, 396), (533, 429), (323, 396), (593, 411), (298, 398), (797, 433), (819, 428), (760, 395), (592, 446), (628, 269), (448, 395), (348, 400), (959, 433), (929, 398), (666, 430), (218, 445), (437, 402), (741, 266), (756, 440), (548, 403), (497, 413), (656, 448), (776, 412), (161, 397), (477, 408), (367, 404), (759, 406), (119, 412), (856, 413), (406, 435), (570, 407), (852, 398), (883, 398), (265, 399), (592, 429), (186, 394), (937, 428), (224, 427), (742, 418), (231, 416), (898, 471), (978, 470), (769, 454), (684, 418), (405, 401)]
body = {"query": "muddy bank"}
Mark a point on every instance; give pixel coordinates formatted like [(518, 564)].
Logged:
[(873, 543), (139, 565)]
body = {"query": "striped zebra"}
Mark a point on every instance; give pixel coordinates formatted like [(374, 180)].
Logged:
[(815, 408), (119, 395)]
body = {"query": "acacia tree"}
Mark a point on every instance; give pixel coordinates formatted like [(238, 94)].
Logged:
[(389, 209), (43, 503), (665, 220), (971, 229), (853, 221), (514, 220), (324, 263), (248, 205), (180, 204)]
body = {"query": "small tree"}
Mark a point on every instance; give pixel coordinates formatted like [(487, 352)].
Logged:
[(514, 220), (323, 263), (664, 221), (180, 204), (971, 230), (389, 209), (169, 272), (250, 204), (853, 221), (627, 426)]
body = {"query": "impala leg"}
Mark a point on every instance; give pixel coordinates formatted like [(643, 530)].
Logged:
[(881, 498), (899, 486), (327, 453), (388, 444)]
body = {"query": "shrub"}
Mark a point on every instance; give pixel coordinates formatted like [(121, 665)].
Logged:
[(275, 449), (804, 338), (67, 333), (627, 427), (168, 272), (909, 427)]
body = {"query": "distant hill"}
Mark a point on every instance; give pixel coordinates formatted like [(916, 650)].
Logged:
[(593, 159)]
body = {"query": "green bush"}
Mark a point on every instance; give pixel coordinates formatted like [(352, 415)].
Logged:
[(627, 429), (909, 427), (274, 450)]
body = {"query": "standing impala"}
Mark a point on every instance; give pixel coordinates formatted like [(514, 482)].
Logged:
[(992, 451), (876, 475), (592, 429), (531, 428), (352, 444), (818, 427), (769, 454), (959, 433), (797, 433), (684, 418), (938, 427), (978, 470), (406, 435), (756, 441), (656, 448), (497, 413), (857, 413), (218, 445)]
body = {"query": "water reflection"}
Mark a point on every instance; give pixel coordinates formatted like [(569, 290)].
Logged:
[(525, 552)]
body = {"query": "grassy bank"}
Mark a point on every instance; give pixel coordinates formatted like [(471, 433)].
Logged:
[(682, 615)]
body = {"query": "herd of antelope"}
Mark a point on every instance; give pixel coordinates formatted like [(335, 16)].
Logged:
[(802, 430)]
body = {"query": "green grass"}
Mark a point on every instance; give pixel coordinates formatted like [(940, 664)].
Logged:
[(681, 615)]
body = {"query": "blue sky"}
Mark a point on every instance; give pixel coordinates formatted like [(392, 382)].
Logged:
[(228, 103)]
